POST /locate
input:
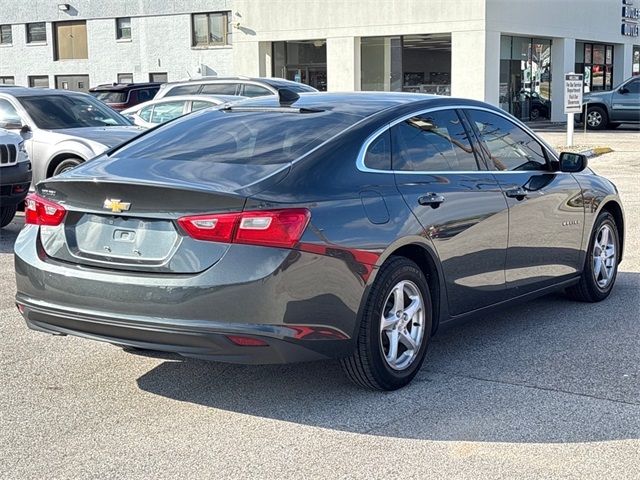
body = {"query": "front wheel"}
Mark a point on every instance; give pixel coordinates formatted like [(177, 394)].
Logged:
[(65, 165), (601, 265), (395, 328), (597, 118)]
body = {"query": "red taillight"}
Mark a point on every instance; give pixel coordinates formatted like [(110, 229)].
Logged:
[(272, 228), (40, 211), (243, 341)]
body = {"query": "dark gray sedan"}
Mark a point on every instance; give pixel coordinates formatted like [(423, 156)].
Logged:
[(314, 226)]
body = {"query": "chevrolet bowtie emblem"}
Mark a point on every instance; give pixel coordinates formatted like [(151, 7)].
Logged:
[(115, 205)]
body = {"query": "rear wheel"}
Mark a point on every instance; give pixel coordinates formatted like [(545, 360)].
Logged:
[(601, 265), (66, 164), (6, 215), (395, 329), (597, 118)]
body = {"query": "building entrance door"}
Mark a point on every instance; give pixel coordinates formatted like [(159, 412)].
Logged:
[(315, 76), (77, 83)]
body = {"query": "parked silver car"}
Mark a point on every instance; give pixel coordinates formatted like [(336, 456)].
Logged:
[(61, 129), (154, 112)]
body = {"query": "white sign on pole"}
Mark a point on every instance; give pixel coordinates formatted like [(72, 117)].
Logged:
[(573, 88), (573, 93)]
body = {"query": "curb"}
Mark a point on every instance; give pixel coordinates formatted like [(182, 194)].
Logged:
[(596, 151)]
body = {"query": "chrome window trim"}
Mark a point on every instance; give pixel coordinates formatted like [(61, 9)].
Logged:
[(374, 136)]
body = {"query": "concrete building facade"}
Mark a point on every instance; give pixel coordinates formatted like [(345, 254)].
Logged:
[(512, 53)]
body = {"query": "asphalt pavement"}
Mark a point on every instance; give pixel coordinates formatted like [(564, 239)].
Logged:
[(547, 389)]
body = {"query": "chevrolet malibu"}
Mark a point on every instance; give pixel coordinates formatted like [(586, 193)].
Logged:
[(314, 226)]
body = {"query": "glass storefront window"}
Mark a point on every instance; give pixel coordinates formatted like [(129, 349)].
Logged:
[(303, 61), (525, 77), (596, 60), (410, 63), (635, 68)]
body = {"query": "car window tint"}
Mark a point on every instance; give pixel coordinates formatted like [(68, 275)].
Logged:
[(239, 137), (508, 147), (190, 89), (8, 114), (163, 112), (219, 89), (198, 105), (145, 113), (255, 91), (378, 154), (633, 87), (435, 141), (145, 95)]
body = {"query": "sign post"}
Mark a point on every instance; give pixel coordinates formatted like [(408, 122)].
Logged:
[(572, 101)]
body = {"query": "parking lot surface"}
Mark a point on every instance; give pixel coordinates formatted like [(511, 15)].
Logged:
[(547, 389)]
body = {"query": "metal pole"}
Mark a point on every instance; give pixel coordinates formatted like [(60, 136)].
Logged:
[(569, 129)]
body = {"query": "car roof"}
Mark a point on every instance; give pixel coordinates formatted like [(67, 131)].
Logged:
[(273, 81), (358, 103), (34, 92), (123, 86)]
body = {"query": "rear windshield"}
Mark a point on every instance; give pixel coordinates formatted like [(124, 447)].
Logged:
[(110, 97), (241, 137)]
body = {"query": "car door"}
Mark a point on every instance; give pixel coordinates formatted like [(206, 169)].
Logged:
[(546, 213), (625, 102), (458, 202)]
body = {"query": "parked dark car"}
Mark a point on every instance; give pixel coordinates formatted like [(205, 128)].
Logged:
[(327, 226), (121, 96), (15, 175), (243, 86)]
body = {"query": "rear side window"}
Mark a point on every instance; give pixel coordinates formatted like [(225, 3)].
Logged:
[(145, 113), (163, 112), (378, 156), (219, 89), (198, 105), (238, 137), (506, 145), (435, 141), (183, 90)]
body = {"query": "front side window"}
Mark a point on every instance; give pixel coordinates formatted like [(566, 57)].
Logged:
[(36, 32), (145, 94), (507, 146), (435, 141), (251, 90), (210, 29), (6, 35), (51, 112), (123, 28), (145, 113), (8, 114), (164, 112), (633, 86)]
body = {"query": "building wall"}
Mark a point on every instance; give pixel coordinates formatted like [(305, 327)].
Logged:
[(161, 40)]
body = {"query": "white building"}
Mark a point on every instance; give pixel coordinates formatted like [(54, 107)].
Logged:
[(512, 53)]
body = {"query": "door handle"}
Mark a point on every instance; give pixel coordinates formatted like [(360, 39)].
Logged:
[(432, 199), (517, 193)]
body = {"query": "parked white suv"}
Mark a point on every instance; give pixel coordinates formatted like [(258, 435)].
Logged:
[(15, 175), (243, 86)]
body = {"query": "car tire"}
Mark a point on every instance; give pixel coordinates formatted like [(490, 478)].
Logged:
[(66, 164), (6, 215), (372, 365), (600, 262), (597, 118)]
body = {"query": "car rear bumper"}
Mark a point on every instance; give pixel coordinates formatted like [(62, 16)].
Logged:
[(14, 183), (303, 305)]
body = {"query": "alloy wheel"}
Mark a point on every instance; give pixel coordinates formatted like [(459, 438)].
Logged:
[(604, 256), (402, 325), (594, 119)]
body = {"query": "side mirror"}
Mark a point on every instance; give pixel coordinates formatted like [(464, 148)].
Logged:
[(572, 162), (25, 129), (623, 90)]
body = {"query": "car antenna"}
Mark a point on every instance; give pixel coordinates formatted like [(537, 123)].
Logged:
[(287, 97)]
